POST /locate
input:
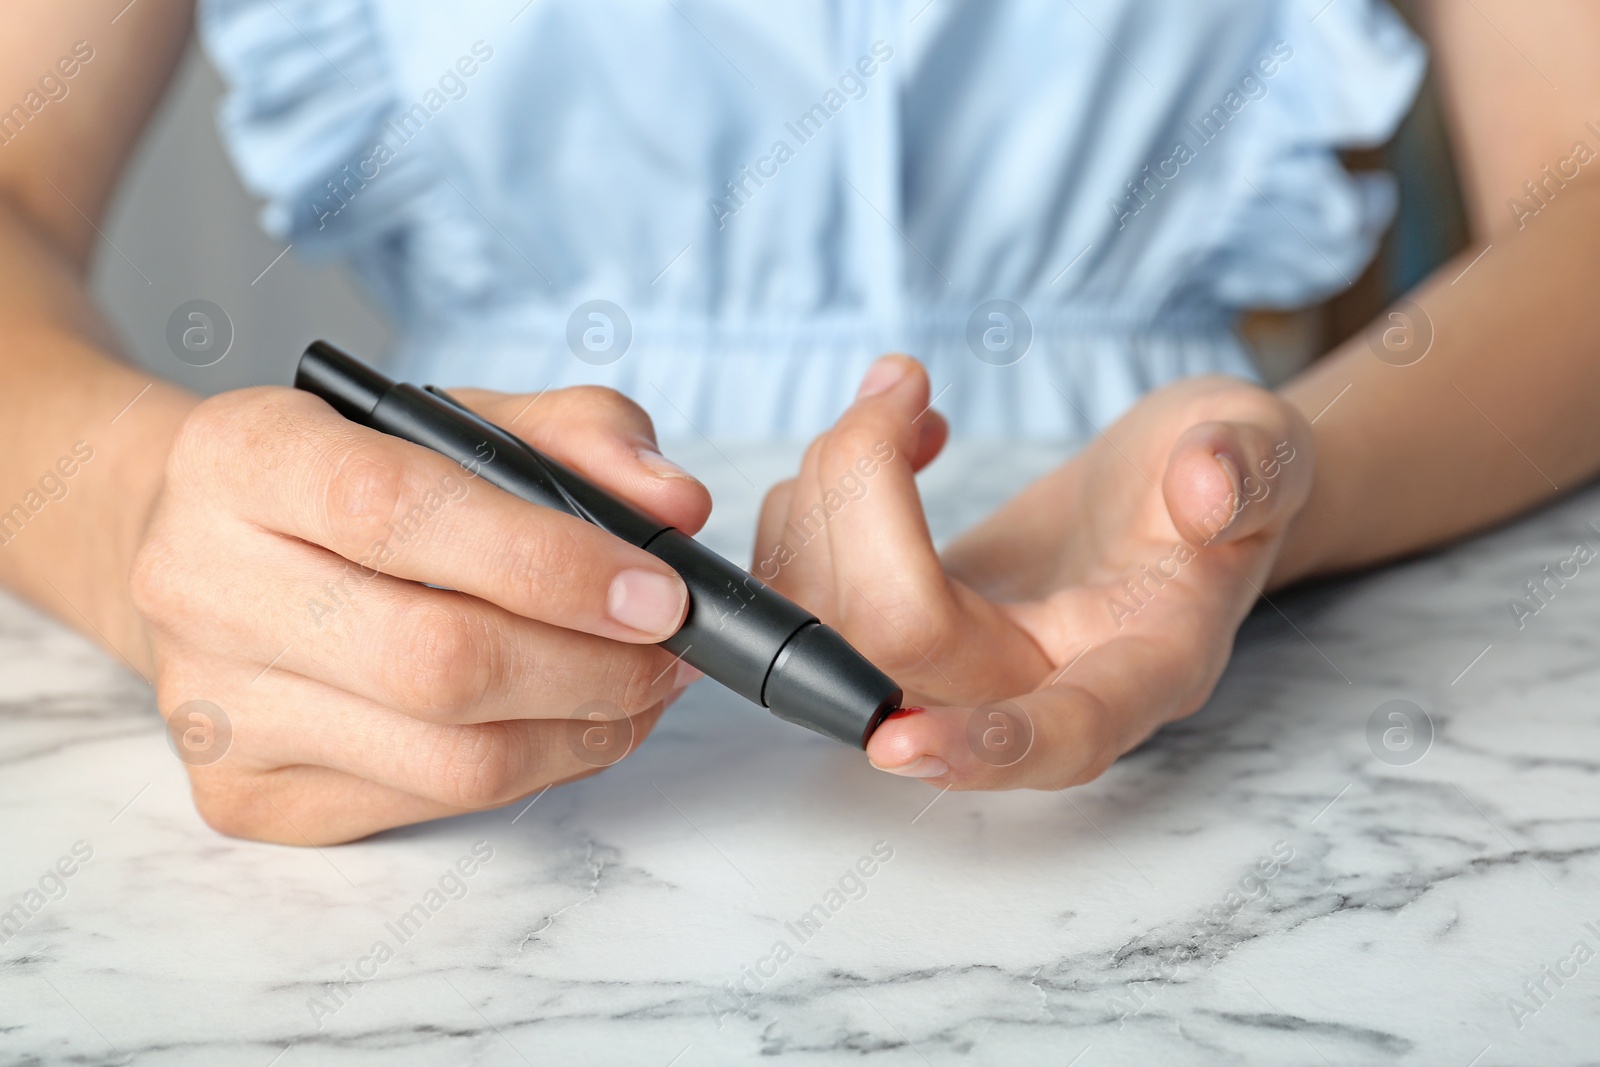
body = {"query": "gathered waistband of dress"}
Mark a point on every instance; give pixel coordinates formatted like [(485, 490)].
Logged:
[(757, 333), (1064, 375)]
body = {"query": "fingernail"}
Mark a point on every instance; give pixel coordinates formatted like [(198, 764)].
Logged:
[(686, 676), (921, 767), (882, 376), (646, 601), (661, 466), (1231, 469)]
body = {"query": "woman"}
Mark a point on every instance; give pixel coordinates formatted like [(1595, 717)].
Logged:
[(727, 212)]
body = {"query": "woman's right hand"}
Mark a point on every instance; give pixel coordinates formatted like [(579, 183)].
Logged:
[(318, 691)]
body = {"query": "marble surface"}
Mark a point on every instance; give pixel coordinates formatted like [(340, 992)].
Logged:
[(1410, 909)]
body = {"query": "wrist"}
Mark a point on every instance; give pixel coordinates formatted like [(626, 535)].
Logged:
[(135, 482), (84, 471), (1312, 538)]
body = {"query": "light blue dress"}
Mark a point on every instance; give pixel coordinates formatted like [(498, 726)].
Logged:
[(728, 208)]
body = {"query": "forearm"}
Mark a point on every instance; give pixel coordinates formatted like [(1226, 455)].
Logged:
[(83, 444), (1497, 417)]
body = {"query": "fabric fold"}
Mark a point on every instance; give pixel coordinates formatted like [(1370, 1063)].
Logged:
[(1302, 227)]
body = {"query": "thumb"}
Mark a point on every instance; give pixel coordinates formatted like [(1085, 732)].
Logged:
[(1226, 481)]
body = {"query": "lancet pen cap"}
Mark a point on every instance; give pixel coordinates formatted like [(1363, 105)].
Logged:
[(820, 682), (352, 387)]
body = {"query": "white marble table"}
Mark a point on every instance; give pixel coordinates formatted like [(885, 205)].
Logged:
[(1418, 899)]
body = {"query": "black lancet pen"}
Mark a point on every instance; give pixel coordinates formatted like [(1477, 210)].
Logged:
[(761, 645)]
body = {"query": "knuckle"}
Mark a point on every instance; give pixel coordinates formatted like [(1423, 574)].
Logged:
[(248, 420), (206, 424), (156, 580), (813, 453), (1092, 731), (605, 403), (447, 661), (851, 443), (601, 407), (545, 560), (365, 494), (634, 684), (481, 766)]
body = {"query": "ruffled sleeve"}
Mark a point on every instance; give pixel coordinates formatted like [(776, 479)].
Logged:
[(1302, 227), (306, 118)]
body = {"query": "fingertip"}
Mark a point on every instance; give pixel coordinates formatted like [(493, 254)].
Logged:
[(914, 742), (1203, 484), (890, 408), (933, 433), (1227, 481), (893, 745), (895, 375), (660, 465), (670, 492), (885, 373), (650, 603)]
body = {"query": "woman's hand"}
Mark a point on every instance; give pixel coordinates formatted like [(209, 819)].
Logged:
[(1095, 606), (282, 581)]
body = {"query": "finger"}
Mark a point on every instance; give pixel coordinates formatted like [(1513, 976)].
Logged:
[(311, 806), (933, 431), (306, 806), (857, 483), (1226, 481), (468, 766), (444, 657), (890, 587), (607, 438), (389, 505), (774, 510), (796, 558), (283, 720), (1058, 736), (448, 658), (436, 655)]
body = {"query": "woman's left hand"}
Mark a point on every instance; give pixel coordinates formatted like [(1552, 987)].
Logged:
[(1098, 604)]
